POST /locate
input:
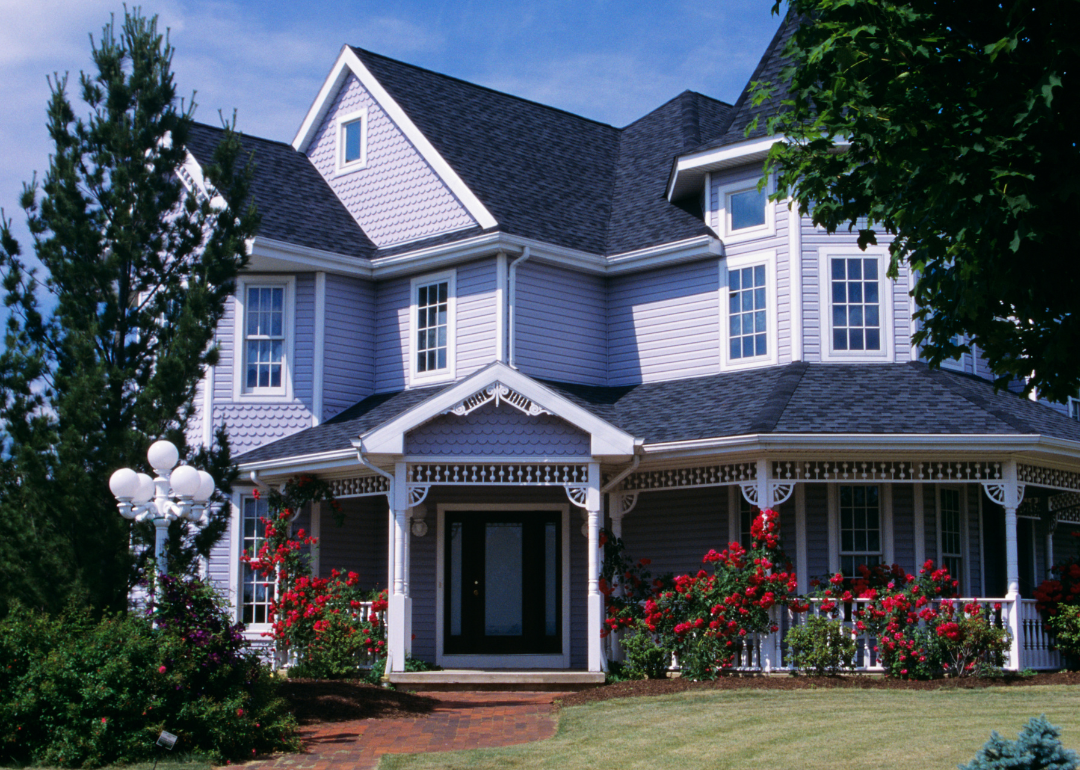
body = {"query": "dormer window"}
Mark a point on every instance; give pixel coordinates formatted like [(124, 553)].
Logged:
[(743, 210), (746, 209), (352, 142)]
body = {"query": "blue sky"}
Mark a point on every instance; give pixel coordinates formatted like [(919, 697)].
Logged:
[(606, 60)]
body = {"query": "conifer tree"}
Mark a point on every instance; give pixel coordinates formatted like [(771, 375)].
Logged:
[(104, 353), (1038, 747)]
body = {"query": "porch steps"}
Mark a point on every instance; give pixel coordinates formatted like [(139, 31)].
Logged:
[(532, 680)]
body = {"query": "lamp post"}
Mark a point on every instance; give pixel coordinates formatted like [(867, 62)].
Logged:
[(176, 493)]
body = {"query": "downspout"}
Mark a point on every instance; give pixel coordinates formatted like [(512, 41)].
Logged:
[(626, 471), (513, 303)]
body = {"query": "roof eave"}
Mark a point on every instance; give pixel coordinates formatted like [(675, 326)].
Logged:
[(688, 171)]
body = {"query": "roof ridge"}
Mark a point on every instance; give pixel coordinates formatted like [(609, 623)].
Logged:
[(443, 75), (778, 399), (945, 379)]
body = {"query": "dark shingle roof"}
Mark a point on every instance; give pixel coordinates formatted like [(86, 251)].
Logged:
[(799, 398), (294, 201)]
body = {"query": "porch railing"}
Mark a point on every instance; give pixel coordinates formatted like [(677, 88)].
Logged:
[(1035, 648)]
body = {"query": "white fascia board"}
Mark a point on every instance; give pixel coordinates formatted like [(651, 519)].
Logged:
[(261, 249), (665, 254), (688, 171), (839, 443), (389, 438), (340, 459), (348, 62)]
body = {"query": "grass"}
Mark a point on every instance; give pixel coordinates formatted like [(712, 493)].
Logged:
[(806, 729)]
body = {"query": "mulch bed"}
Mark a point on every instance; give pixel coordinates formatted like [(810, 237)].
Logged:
[(340, 700), (315, 701), (785, 682)]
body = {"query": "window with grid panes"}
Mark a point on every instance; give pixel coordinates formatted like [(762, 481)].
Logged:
[(949, 520), (860, 528), (257, 591), (747, 324), (264, 338), (856, 303), (432, 320)]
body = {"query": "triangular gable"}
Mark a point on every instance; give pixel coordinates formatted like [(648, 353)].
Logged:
[(499, 384), (349, 64)]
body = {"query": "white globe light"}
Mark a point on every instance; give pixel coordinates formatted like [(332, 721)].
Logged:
[(206, 487), (124, 483), (162, 455), (145, 492), (185, 481)]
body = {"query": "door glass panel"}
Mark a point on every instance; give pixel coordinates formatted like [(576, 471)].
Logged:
[(502, 579), (455, 578), (550, 582)]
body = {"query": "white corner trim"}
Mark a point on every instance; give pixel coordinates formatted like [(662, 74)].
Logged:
[(795, 279), (439, 375), (349, 63), (235, 531), (268, 395), (766, 257), (607, 440)]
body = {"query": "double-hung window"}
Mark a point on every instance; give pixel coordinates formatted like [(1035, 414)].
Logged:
[(856, 303), (257, 590), (860, 528), (749, 311), (263, 339), (950, 533), (433, 327)]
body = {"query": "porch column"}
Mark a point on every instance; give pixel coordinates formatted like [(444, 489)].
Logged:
[(1008, 493), (1051, 525), (764, 494), (595, 599), (400, 605)]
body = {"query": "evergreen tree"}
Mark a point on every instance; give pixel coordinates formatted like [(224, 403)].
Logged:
[(1037, 748), (138, 272)]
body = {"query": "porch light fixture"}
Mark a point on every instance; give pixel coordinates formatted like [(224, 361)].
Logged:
[(178, 492)]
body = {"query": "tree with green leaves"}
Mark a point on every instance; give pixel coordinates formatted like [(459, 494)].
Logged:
[(953, 127), (105, 353)]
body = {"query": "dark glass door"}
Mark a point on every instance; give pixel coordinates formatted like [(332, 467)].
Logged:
[(503, 583)]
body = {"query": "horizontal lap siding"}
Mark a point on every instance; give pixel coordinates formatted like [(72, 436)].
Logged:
[(664, 324), (359, 544), (817, 530), (391, 335), (422, 586), (974, 549), (349, 361), (930, 518), (676, 529), (476, 316), (303, 368), (561, 328), (903, 508), (218, 565), (226, 342)]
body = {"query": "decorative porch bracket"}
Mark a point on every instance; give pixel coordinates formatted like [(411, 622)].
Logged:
[(498, 393)]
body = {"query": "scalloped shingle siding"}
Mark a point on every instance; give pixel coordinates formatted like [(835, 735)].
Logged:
[(501, 431)]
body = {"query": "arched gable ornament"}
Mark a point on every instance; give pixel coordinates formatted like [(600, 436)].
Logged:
[(498, 393)]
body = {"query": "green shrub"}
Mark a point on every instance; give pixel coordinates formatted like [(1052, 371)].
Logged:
[(645, 659), (1037, 748), (80, 693), (821, 646), (1066, 627)]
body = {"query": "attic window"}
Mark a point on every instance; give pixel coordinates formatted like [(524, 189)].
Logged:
[(352, 141)]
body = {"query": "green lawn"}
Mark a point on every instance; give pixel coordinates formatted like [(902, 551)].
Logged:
[(804, 729)]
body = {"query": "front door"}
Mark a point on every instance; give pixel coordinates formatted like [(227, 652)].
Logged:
[(503, 583)]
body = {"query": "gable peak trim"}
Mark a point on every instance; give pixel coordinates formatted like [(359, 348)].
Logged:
[(498, 393)]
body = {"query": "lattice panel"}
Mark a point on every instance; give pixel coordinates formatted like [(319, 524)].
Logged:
[(1065, 500), (360, 486), (534, 474), (680, 478), (1071, 516), (911, 472), (1048, 477), (498, 393)]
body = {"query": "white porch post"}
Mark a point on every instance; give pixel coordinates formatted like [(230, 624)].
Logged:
[(764, 494), (595, 599), (1010, 494), (400, 605)]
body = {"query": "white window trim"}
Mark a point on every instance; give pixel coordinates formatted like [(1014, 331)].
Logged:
[(723, 224), (268, 395), (543, 660), (440, 375), (1072, 407), (768, 258), (343, 167), (965, 554), (885, 292), (888, 545), (236, 530)]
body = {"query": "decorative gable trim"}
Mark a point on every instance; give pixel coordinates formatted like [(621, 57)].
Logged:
[(607, 440), (498, 393), (349, 63)]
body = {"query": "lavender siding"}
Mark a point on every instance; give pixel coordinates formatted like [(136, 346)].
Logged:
[(676, 529), (817, 530), (422, 586), (359, 544), (303, 364), (349, 364), (492, 431), (974, 550), (930, 519), (903, 514), (476, 316), (217, 566), (561, 325), (391, 334), (397, 197), (664, 324)]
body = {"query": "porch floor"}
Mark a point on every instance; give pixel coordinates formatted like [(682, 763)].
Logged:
[(504, 679)]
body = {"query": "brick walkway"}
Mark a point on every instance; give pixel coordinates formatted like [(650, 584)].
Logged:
[(461, 720)]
